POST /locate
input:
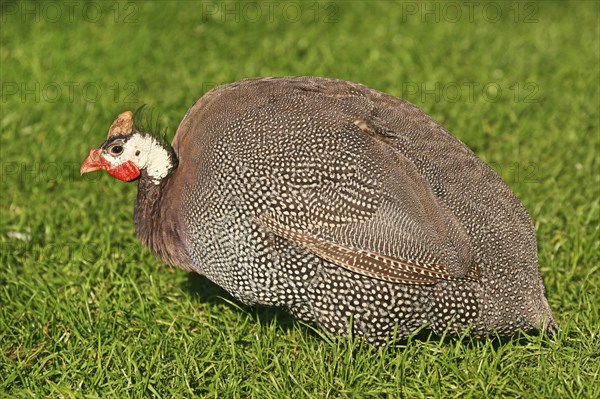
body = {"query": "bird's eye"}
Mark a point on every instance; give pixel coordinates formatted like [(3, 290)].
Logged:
[(116, 150)]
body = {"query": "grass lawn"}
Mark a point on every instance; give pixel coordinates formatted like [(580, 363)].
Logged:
[(86, 312)]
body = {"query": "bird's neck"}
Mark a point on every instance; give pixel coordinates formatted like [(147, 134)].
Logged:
[(155, 217)]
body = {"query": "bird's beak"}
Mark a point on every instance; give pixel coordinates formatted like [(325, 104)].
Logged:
[(93, 162)]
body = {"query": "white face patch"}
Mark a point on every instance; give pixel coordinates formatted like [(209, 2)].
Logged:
[(145, 152)]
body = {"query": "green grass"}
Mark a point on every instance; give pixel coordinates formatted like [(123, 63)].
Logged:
[(86, 312)]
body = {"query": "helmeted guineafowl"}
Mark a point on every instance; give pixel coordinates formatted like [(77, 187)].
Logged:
[(337, 202)]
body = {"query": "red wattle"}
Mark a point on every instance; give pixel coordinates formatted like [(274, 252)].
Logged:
[(127, 171)]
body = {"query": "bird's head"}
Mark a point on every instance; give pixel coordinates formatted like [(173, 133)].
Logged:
[(127, 153)]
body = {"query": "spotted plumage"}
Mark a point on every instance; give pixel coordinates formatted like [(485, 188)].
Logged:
[(339, 203)]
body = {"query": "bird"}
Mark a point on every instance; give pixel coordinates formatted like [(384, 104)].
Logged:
[(350, 208)]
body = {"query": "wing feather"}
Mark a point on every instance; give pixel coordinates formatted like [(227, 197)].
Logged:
[(366, 262)]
